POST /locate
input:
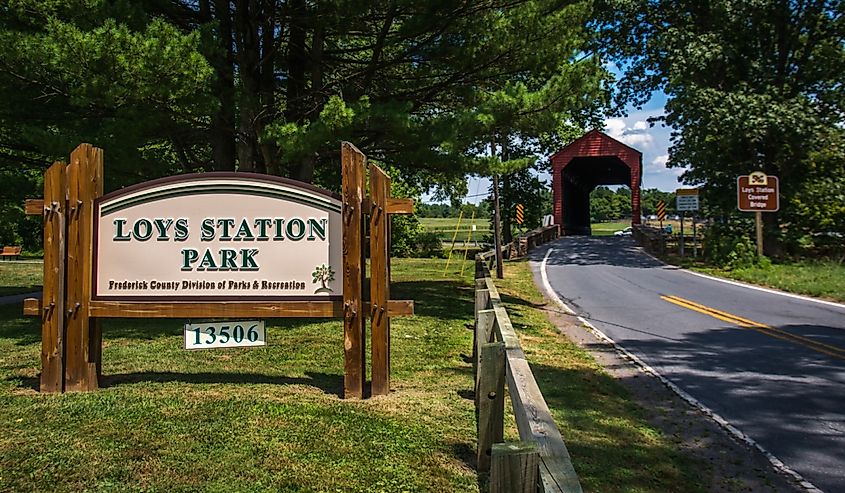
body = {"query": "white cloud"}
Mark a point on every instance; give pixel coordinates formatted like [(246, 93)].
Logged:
[(657, 166), (614, 127), (637, 136), (659, 162), (638, 140)]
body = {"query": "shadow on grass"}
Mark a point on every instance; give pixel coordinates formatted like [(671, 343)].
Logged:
[(16, 290), (444, 299), (14, 326), (466, 453), (328, 383), (512, 300)]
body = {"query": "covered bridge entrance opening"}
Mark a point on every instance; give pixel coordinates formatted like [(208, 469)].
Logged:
[(592, 160)]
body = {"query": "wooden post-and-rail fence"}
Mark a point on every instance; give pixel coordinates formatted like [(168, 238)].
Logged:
[(71, 351), (540, 461), (524, 243)]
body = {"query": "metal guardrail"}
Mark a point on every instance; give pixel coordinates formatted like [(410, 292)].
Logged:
[(540, 461)]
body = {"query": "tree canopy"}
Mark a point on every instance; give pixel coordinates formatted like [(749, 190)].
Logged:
[(274, 85), (750, 86)]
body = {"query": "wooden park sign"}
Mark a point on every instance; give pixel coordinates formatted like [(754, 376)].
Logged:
[(224, 245)]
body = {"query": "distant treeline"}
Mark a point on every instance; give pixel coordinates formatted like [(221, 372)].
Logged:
[(606, 205), (481, 210)]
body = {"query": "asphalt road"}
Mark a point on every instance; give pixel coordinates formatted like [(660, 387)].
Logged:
[(773, 366)]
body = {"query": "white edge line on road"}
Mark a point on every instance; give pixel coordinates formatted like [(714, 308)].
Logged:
[(548, 287), (767, 290), (725, 424), (749, 286)]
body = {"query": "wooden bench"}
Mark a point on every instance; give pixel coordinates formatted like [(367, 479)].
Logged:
[(10, 252)]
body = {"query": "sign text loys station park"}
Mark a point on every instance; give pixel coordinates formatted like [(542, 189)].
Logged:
[(212, 245)]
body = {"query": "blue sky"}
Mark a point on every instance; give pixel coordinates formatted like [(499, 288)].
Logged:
[(633, 130), (653, 142)]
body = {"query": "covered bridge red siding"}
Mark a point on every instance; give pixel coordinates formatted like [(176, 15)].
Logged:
[(592, 160)]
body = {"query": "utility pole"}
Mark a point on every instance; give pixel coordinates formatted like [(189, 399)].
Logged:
[(497, 239), (505, 222)]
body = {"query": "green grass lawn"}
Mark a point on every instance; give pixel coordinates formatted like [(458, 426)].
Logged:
[(606, 229), (266, 419), (271, 419), (445, 227), (822, 278), (20, 277)]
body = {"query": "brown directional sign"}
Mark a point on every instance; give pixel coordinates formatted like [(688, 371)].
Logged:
[(758, 192)]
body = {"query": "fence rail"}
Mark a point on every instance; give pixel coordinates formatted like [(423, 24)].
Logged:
[(657, 241), (540, 462), (523, 244)]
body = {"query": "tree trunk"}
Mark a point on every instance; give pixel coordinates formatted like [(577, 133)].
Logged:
[(497, 215), (772, 246), (222, 131), (297, 64), (507, 235), (247, 38), (269, 149)]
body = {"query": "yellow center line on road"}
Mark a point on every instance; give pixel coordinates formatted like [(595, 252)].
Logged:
[(744, 322), (828, 349)]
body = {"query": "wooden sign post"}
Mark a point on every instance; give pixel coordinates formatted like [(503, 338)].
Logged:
[(86, 233)]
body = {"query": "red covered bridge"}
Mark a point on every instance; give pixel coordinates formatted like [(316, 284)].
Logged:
[(592, 160)]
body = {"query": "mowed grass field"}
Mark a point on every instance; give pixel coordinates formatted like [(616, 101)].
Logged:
[(608, 228), (444, 228), (271, 419), (819, 278), (244, 420), (20, 277)]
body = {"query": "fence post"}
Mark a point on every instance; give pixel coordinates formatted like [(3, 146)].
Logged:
[(482, 299), (514, 468), (379, 281), (490, 398), (482, 296), (483, 334), (53, 298), (83, 339), (354, 344)]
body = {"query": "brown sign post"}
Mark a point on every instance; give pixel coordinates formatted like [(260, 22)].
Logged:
[(71, 305), (758, 193)]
